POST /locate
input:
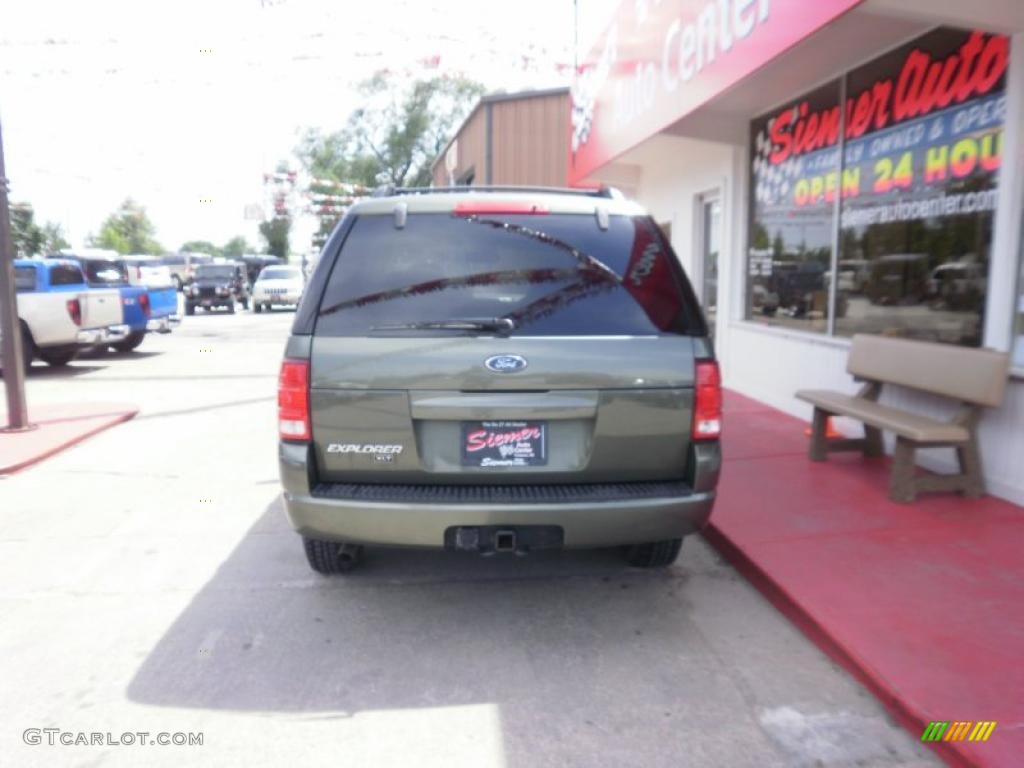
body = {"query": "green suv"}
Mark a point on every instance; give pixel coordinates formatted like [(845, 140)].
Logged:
[(498, 370)]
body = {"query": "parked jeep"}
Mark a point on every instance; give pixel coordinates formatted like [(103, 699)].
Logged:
[(498, 371), (217, 285)]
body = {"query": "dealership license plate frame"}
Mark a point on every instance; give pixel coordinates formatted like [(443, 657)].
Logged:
[(530, 451)]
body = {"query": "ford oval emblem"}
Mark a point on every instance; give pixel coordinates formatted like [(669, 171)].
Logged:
[(505, 363)]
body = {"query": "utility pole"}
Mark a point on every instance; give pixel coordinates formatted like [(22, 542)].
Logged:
[(10, 328)]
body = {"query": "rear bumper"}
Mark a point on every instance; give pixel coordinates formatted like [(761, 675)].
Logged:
[(290, 300), (163, 324), (350, 513), (108, 335)]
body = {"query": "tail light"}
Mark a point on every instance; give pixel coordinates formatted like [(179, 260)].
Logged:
[(144, 304), (707, 401), (75, 311), (293, 401)]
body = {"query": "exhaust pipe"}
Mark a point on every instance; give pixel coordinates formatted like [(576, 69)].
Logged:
[(348, 556)]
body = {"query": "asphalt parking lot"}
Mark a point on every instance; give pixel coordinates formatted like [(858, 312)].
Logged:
[(150, 583)]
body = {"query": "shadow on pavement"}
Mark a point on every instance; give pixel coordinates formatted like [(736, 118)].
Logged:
[(72, 369), (560, 641)]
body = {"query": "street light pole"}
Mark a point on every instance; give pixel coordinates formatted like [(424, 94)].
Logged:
[(10, 328)]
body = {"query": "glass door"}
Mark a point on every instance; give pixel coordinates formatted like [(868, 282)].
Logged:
[(711, 238)]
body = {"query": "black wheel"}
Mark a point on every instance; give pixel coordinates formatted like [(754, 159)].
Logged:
[(190, 309), (257, 308), (331, 557), (28, 347), (656, 554), (57, 358), (134, 339)]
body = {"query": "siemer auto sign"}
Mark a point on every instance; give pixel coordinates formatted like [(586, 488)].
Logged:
[(661, 59)]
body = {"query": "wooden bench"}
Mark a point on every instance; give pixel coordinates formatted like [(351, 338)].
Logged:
[(973, 377)]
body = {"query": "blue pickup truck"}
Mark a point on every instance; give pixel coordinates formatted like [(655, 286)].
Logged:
[(147, 308), (59, 313)]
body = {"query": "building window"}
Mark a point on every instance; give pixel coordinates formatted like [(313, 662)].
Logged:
[(921, 144), (793, 186)]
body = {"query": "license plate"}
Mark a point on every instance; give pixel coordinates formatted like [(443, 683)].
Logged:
[(504, 443)]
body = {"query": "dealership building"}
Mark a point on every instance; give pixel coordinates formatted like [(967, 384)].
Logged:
[(822, 169)]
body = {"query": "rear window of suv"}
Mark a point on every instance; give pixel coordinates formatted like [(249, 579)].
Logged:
[(551, 275)]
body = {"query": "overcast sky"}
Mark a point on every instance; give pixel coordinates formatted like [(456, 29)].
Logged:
[(104, 100)]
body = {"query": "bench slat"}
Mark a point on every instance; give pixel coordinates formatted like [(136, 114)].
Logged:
[(912, 426), (961, 373)]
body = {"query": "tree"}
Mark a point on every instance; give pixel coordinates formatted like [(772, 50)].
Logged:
[(127, 230), (29, 238), (395, 135), (200, 246), (26, 235), (275, 234), (53, 236), (235, 247)]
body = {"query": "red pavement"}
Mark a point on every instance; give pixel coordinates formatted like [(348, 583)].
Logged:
[(923, 602), (57, 427)]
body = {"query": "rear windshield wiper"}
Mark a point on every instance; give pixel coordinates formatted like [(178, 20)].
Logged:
[(501, 325)]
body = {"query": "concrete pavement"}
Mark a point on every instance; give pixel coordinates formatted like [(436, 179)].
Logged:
[(149, 582)]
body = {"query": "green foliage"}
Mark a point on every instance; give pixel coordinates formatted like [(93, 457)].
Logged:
[(760, 238), (235, 247), (25, 233), (127, 230), (275, 236), (395, 135), (200, 246), (53, 236), (29, 238)]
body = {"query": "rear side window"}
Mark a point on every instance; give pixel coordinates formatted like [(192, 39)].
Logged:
[(24, 278), (551, 275), (107, 272), (66, 274), (280, 273)]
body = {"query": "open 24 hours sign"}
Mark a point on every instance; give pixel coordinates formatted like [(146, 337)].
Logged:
[(922, 130)]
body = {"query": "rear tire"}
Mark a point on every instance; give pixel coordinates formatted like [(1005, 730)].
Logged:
[(57, 359), (28, 348), (257, 308), (134, 339), (190, 309), (656, 554), (327, 557)]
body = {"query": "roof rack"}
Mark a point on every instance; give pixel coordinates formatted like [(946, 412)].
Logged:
[(604, 192)]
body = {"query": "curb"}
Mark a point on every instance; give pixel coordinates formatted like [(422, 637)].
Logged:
[(842, 655), (111, 421)]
